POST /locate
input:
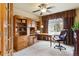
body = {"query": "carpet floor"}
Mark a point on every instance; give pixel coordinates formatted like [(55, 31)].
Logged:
[(42, 48)]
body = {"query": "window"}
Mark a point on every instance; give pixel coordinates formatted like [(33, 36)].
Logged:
[(55, 26)]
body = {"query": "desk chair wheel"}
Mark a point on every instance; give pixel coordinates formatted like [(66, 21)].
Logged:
[(60, 47)]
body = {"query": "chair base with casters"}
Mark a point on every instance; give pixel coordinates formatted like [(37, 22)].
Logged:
[(60, 47)]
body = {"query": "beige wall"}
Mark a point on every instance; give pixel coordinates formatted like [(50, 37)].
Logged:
[(77, 15)]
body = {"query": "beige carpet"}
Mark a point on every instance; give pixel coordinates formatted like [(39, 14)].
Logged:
[(42, 48)]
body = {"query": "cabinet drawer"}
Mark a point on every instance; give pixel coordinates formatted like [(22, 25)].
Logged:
[(21, 40), (22, 45)]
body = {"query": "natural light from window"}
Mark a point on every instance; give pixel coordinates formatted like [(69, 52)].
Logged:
[(55, 26)]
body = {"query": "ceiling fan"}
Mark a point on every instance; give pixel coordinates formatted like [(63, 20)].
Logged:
[(43, 8)]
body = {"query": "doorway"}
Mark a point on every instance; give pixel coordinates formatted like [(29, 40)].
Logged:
[(6, 29)]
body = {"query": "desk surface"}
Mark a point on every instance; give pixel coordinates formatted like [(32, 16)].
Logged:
[(43, 34)]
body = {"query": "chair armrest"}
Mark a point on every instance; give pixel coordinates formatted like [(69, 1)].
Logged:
[(56, 35)]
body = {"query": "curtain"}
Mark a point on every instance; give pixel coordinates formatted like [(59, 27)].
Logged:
[(68, 23), (45, 24), (68, 17)]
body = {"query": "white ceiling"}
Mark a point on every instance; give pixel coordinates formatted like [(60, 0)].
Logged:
[(58, 7)]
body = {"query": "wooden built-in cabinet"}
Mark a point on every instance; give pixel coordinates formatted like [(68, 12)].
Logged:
[(22, 34), (21, 27), (20, 42), (38, 25)]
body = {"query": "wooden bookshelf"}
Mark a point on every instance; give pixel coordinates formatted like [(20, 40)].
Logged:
[(21, 27), (20, 32), (23, 33), (38, 25)]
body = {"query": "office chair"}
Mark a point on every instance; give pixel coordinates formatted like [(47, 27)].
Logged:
[(60, 38)]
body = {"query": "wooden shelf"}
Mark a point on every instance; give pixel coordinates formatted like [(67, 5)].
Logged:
[(21, 38), (20, 32), (21, 26)]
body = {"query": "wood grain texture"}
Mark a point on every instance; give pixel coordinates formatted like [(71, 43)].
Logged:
[(20, 41), (3, 17)]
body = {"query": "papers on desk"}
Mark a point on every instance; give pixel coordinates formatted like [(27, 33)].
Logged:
[(54, 33)]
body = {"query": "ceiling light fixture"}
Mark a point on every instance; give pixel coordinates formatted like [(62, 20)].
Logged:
[(43, 10)]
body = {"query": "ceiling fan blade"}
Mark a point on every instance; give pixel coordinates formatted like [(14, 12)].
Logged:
[(36, 10), (48, 11), (41, 13), (50, 7)]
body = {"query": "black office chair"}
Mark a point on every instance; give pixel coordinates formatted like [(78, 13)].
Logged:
[(60, 38)]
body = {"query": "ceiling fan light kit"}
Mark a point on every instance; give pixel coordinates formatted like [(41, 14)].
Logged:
[(43, 8)]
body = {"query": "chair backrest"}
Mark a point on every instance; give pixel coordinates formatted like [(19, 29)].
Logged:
[(63, 35)]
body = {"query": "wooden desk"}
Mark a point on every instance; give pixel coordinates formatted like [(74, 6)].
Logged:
[(49, 37)]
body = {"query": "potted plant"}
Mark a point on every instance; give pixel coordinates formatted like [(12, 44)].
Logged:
[(75, 28)]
